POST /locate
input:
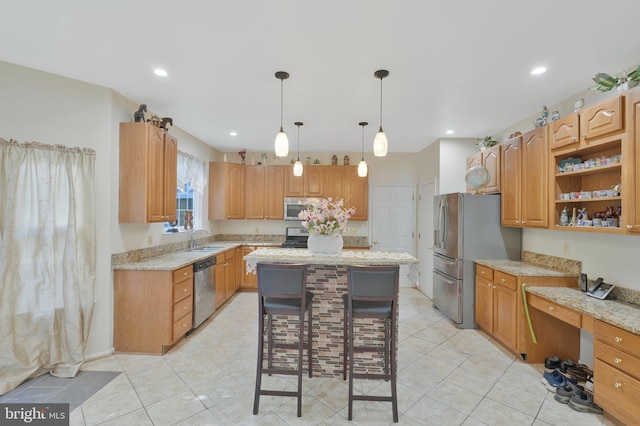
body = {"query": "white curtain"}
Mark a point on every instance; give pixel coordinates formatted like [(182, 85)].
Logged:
[(47, 259), (192, 170)]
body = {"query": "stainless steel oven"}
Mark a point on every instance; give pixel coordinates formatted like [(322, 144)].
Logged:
[(292, 207)]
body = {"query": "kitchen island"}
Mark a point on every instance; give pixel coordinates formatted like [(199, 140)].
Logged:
[(327, 279)]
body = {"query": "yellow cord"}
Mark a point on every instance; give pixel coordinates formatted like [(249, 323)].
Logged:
[(526, 310)]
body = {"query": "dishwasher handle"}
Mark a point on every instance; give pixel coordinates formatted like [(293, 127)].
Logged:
[(204, 264)]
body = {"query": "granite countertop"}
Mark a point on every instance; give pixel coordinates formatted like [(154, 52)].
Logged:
[(620, 314), (179, 259), (522, 269)]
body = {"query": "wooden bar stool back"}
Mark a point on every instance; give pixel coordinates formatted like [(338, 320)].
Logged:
[(282, 290), (372, 293)]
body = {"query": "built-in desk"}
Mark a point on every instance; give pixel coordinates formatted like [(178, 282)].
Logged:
[(616, 329)]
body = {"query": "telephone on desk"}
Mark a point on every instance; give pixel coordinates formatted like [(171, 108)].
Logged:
[(599, 289)]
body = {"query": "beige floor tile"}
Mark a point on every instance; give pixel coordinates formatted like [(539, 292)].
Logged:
[(430, 411), (175, 409), (138, 417), (111, 406), (456, 397), (472, 380), (556, 413), (513, 395), (495, 414), (164, 388)]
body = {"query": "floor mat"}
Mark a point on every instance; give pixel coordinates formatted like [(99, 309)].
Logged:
[(47, 388)]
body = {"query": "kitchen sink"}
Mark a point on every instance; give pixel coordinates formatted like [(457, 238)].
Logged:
[(209, 248)]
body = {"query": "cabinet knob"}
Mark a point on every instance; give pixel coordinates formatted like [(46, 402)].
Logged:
[(184, 290), (617, 385), (629, 227), (482, 273), (551, 308), (573, 139), (617, 360), (184, 308), (185, 273), (618, 339), (489, 285), (504, 281), (584, 136), (494, 286), (184, 325)]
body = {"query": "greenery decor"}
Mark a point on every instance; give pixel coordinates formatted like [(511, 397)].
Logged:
[(486, 142), (605, 82)]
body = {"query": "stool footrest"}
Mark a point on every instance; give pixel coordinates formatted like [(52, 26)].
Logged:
[(368, 349), (289, 345), (372, 398), (372, 376), (286, 372), (278, 393)]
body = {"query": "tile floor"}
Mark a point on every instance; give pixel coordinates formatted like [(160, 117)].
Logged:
[(446, 376)]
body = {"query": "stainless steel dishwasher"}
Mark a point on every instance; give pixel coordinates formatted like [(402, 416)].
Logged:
[(204, 302)]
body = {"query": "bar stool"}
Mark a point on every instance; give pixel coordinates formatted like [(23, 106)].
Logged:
[(372, 293), (282, 290)]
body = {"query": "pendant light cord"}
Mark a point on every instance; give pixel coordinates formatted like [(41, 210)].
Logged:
[(380, 103), (363, 142), (282, 101), (298, 142)]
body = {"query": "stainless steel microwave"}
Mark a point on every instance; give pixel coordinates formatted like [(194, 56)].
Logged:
[(292, 207)]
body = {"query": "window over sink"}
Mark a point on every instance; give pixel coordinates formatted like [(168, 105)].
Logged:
[(189, 190)]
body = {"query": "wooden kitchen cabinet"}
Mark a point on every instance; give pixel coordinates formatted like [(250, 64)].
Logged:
[(310, 184), (565, 132), (148, 174), (603, 145), (525, 180), (226, 275), (334, 182), (152, 309), (491, 159), (264, 192), (226, 191), (631, 165), (356, 193), (617, 370), (248, 282), (499, 311)]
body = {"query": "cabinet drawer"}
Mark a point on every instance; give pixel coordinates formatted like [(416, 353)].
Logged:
[(181, 326), (182, 308), (617, 338), (505, 280), (229, 254), (601, 119), (182, 273), (182, 289), (616, 392), (484, 272), (616, 358), (557, 311)]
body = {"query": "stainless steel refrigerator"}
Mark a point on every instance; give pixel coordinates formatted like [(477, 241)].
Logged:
[(466, 227)]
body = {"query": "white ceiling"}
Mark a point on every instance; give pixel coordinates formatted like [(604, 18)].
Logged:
[(458, 64)]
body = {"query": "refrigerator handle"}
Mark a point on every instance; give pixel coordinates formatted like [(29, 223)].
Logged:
[(445, 225), (436, 231)]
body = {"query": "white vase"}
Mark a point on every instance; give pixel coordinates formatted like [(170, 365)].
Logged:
[(325, 244)]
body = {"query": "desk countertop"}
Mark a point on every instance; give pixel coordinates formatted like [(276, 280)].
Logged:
[(620, 314), (522, 269)]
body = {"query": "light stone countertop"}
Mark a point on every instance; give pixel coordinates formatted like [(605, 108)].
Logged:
[(620, 314), (179, 259), (522, 269)]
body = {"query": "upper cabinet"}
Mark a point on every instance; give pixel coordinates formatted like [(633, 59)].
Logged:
[(264, 192), (600, 120), (356, 193), (491, 159), (334, 182), (226, 191), (511, 175), (310, 184), (565, 132), (148, 174), (631, 174)]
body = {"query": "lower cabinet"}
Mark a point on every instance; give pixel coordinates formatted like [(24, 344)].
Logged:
[(152, 309), (247, 282), (225, 271), (500, 313), (617, 372)]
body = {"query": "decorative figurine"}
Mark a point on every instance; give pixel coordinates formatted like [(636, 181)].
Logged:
[(555, 116), (155, 120), (307, 161), (346, 160), (564, 217), (545, 114), (578, 104), (574, 219), (334, 160), (582, 214), (164, 122), (138, 116)]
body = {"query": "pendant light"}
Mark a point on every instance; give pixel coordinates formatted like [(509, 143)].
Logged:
[(362, 165), (380, 144), (297, 167), (282, 142)]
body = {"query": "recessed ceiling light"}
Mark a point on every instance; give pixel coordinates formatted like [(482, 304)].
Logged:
[(233, 133), (538, 70), (160, 72), (449, 132)]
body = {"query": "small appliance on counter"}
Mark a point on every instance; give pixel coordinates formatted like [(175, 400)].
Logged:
[(296, 237)]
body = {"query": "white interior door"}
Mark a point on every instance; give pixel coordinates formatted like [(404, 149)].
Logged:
[(426, 191), (392, 222)]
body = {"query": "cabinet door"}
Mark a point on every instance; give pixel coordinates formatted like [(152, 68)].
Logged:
[(294, 185), (491, 160), (334, 179), (504, 318), (255, 193), (313, 181), (564, 132), (230, 274), (248, 281), (220, 272), (511, 173), (234, 197), (600, 120), (357, 193), (484, 304), (535, 184), (155, 176), (631, 165), (274, 188)]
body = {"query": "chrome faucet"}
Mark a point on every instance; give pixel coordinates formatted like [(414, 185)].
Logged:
[(193, 243)]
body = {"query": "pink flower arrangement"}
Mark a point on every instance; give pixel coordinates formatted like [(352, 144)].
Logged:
[(325, 217)]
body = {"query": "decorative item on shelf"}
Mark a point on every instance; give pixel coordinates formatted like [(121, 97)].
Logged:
[(188, 219), (166, 121), (263, 159), (345, 161), (334, 160), (574, 218), (514, 135), (326, 221), (542, 120), (172, 225), (564, 217), (622, 82), (617, 189), (243, 154), (155, 120), (477, 177), (282, 141), (578, 104), (486, 142), (138, 116), (307, 161), (582, 214), (316, 161), (555, 116)]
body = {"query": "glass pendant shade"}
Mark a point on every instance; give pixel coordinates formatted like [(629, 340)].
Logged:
[(380, 144), (362, 168), (282, 144), (297, 168)]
